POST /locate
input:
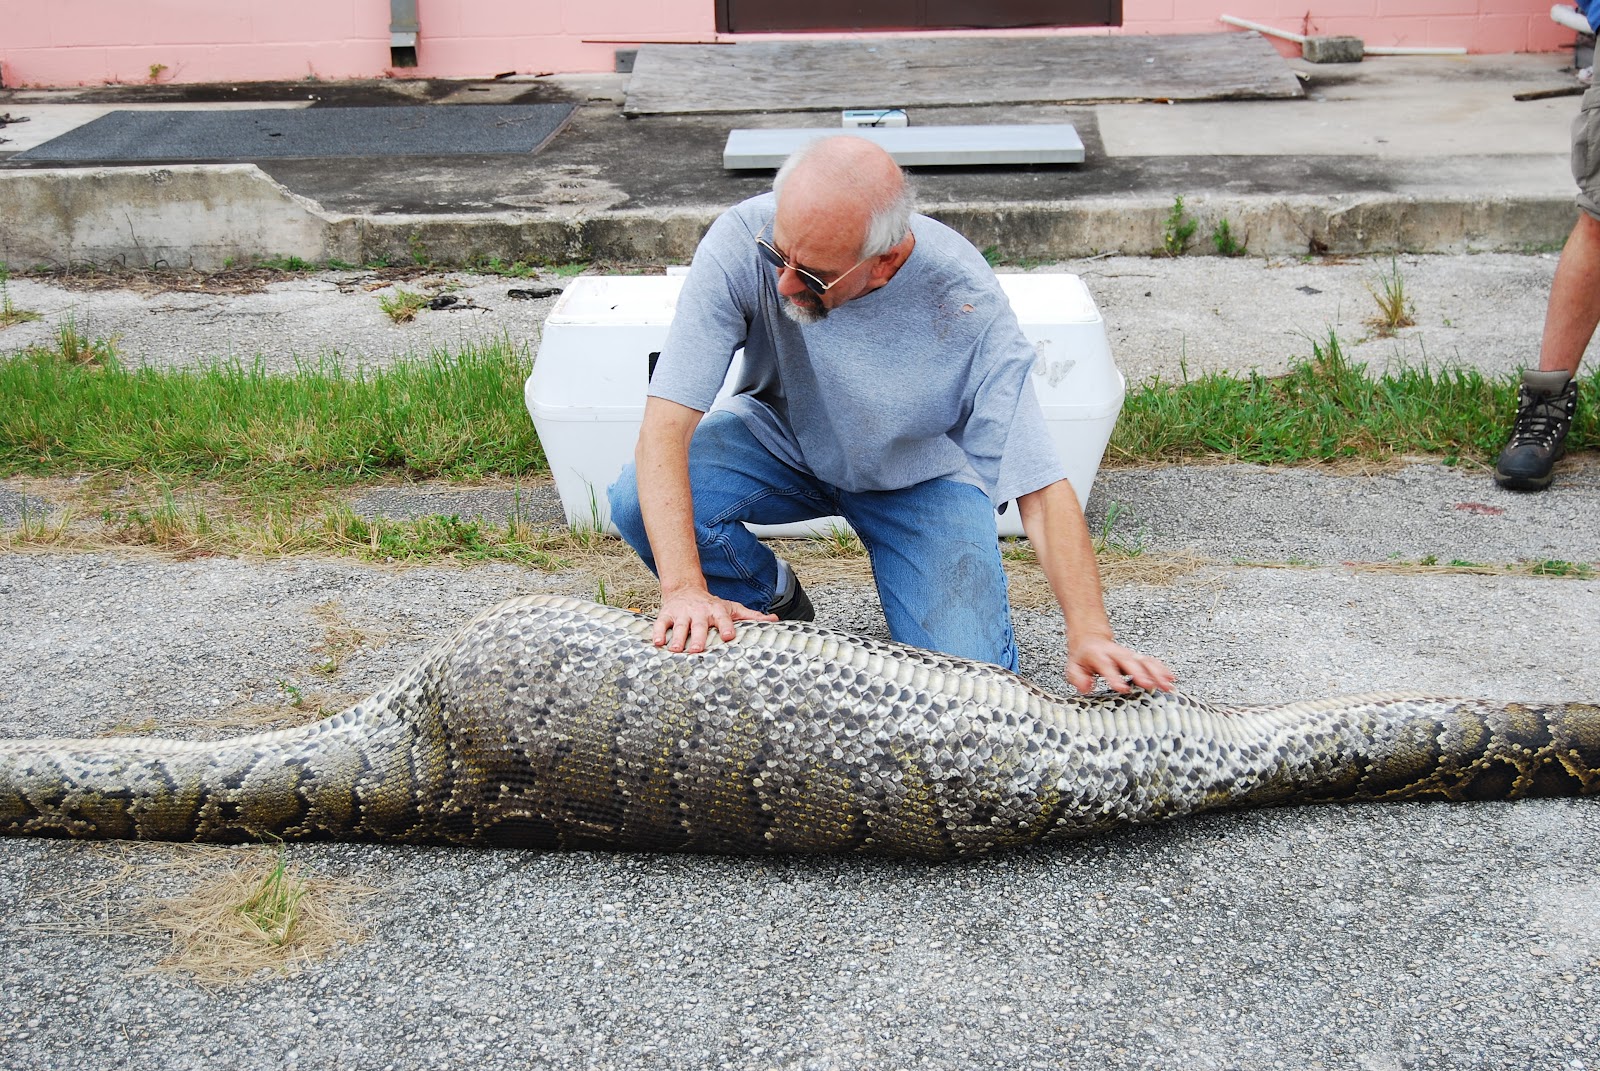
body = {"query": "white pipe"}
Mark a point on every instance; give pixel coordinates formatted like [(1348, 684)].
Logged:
[(1246, 24), (1371, 50), (1405, 50)]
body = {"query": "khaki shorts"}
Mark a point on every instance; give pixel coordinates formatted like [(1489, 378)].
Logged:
[(1586, 152)]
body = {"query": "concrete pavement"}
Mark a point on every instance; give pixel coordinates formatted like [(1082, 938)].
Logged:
[(1348, 938), (1429, 154)]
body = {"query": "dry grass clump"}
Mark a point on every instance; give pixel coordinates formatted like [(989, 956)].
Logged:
[(1395, 310), (246, 910), (254, 916)]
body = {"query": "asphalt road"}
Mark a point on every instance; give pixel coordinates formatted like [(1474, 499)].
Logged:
[(1360, 937)]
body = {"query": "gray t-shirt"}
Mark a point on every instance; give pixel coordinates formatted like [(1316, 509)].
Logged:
[(925, 378)]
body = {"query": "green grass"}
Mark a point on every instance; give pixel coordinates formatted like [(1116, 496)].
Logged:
[(1327, 408), (451, 416), (403, 305), (74, 407)]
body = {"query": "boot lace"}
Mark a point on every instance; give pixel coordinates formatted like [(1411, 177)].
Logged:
[(1542, 420)]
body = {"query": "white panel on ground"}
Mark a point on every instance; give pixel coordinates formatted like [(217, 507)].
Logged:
[(919, 146)]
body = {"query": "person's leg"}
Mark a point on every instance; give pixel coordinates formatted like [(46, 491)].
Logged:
[(1574, 308), (1548, 398), (733, 479), (936, 559)]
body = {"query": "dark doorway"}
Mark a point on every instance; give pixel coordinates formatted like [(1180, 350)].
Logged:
[(766, 16)]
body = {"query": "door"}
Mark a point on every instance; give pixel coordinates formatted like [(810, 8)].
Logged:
[(759, 16)]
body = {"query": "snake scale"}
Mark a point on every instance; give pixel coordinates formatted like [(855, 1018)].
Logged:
[(550, 722)]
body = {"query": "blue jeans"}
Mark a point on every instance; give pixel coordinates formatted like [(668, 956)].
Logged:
[(935, 555)]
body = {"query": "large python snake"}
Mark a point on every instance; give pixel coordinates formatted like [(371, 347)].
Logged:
[(551, 722)]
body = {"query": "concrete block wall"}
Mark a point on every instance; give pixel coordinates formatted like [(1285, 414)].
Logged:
[(86, 42)]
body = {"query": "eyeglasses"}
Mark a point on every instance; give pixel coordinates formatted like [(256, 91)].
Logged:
[(812, 283)]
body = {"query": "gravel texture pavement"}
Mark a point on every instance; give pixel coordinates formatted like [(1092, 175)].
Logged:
[(1360, 937)]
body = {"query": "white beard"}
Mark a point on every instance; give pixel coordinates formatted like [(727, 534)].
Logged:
[(804, 314)]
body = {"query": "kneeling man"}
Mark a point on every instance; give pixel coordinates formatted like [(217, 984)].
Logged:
[(885, 381)]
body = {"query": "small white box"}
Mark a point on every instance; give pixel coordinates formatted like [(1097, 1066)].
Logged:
[(587, 390), (855, 117)]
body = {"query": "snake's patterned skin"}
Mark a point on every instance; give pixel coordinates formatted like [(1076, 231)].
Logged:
[(551, 722)]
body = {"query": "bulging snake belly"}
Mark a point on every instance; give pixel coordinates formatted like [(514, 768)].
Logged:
[(550, 722)]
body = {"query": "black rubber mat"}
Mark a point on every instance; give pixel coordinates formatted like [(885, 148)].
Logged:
[(274, 133)]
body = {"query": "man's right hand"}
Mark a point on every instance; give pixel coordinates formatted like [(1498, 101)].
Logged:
[(687, 618)]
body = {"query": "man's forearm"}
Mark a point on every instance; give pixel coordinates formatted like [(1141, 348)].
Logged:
[(1054, 524), (661, 460)]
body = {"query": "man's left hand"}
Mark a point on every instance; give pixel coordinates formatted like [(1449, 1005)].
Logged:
[(1115, 664)]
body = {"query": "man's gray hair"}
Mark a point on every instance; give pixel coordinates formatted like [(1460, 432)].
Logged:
[(890, 219)]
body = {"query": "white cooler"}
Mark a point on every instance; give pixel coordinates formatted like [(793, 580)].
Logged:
[(587, 390)]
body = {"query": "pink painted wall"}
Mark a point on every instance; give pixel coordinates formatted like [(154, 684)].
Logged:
[(76, 42)]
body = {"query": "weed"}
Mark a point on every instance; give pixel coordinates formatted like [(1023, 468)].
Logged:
[(437, 536), (1013, 549), (335, 264), (288, 263), (9, 313), (588, 532), (992, 255), (273, 906), (1394, 308), (296, 696), (419, 251), (76, 348), (840, 541), (156, 71), (567, 269), (1227, 245), (403, 305), (495, 266), (1556, 567), (1179, 229), (1108, 542)]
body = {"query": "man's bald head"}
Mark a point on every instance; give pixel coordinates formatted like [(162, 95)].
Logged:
[(853, 184)]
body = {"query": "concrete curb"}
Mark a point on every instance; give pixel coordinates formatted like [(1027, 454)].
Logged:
[(206, 216), (181, 216)]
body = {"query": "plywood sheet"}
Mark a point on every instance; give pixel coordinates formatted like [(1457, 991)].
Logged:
[(942, 71)]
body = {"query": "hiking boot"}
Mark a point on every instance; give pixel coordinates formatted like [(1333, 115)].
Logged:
[(1545, 405), (792, 604)]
